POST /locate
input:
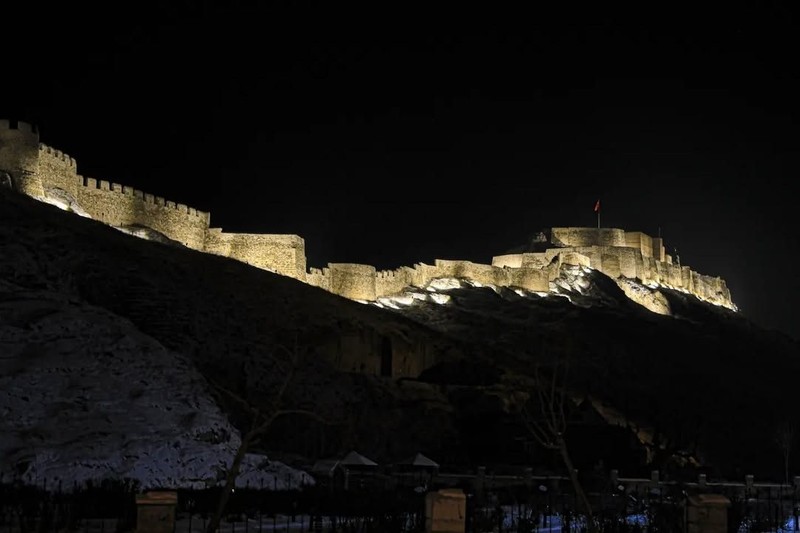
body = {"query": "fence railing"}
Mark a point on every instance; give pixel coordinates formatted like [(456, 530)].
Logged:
[(523, 503)]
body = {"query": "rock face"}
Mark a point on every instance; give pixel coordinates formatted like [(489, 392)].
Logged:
[(684, 383), (85, 396), (224, 319)]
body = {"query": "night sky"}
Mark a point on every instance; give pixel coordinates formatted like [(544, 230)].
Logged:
[(407, 132)]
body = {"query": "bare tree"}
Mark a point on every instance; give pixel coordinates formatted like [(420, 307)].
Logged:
[(785, 436), (261, 416), (548, 425)]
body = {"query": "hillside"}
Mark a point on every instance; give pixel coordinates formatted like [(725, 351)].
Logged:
[(83, 394), (704, 384), (225, 319)]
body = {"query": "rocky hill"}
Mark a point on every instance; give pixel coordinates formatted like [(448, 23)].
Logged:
[(703, 387)]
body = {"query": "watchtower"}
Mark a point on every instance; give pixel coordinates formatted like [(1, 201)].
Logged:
[(19, 156)]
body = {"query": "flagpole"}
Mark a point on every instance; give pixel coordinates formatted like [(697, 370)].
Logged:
[(597, 210)]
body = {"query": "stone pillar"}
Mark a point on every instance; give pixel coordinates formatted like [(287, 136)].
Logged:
[(655, 476), (479, 483), (445, 511), (528, 476), (614, 477), (707, 513), (155, 511), (655, 482)]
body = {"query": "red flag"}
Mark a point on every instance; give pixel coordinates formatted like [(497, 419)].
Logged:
[(597, 207)]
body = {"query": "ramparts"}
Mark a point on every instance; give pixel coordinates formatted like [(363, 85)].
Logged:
[(284, 254), (19, 156), (363, 282), (630, 255), (52, 176)]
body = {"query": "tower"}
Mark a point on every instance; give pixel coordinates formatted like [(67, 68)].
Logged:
[(19, 156)]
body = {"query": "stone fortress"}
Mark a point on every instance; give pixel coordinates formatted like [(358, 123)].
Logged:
[(50, 175)]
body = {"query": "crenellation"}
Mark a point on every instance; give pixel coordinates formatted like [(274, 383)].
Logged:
[(58, 154), (19, 126), (39, 170)]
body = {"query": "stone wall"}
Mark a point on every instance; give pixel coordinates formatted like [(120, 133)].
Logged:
[(713, 289), (19, 156), (628, 261), (353, 281), (59, 170), (120, 205), (587, 237), (363, 282), (393, 281), (532, 279), (659, 253), (624, 262), (639, 241), (284, 254), (508, 260)]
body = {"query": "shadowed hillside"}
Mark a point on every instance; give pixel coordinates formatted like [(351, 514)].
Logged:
[(230, 318), (704, 385)]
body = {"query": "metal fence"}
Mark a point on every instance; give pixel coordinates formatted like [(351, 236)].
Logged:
[(494, 504), (91, 508)]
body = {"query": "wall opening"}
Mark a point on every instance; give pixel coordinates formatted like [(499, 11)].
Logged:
[(386, 357)]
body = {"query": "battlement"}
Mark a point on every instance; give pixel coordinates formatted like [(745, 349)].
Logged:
[(19, 125), (51, 175), (146, 198), (19, 156), (587, 237), (58, 154)]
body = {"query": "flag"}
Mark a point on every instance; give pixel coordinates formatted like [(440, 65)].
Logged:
[(597, 207)]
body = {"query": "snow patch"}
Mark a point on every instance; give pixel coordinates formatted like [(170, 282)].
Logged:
[(85, 396), (440, 299), (445, 284)]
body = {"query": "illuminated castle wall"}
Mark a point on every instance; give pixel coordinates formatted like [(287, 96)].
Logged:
[(620, 255), (52, 176)]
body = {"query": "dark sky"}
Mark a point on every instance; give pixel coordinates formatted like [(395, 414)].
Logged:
[(407, 132)]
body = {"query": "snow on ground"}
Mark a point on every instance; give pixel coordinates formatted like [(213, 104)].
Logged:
[(84, 395)]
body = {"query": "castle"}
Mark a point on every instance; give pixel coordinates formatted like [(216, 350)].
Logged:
[(50, 175)]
